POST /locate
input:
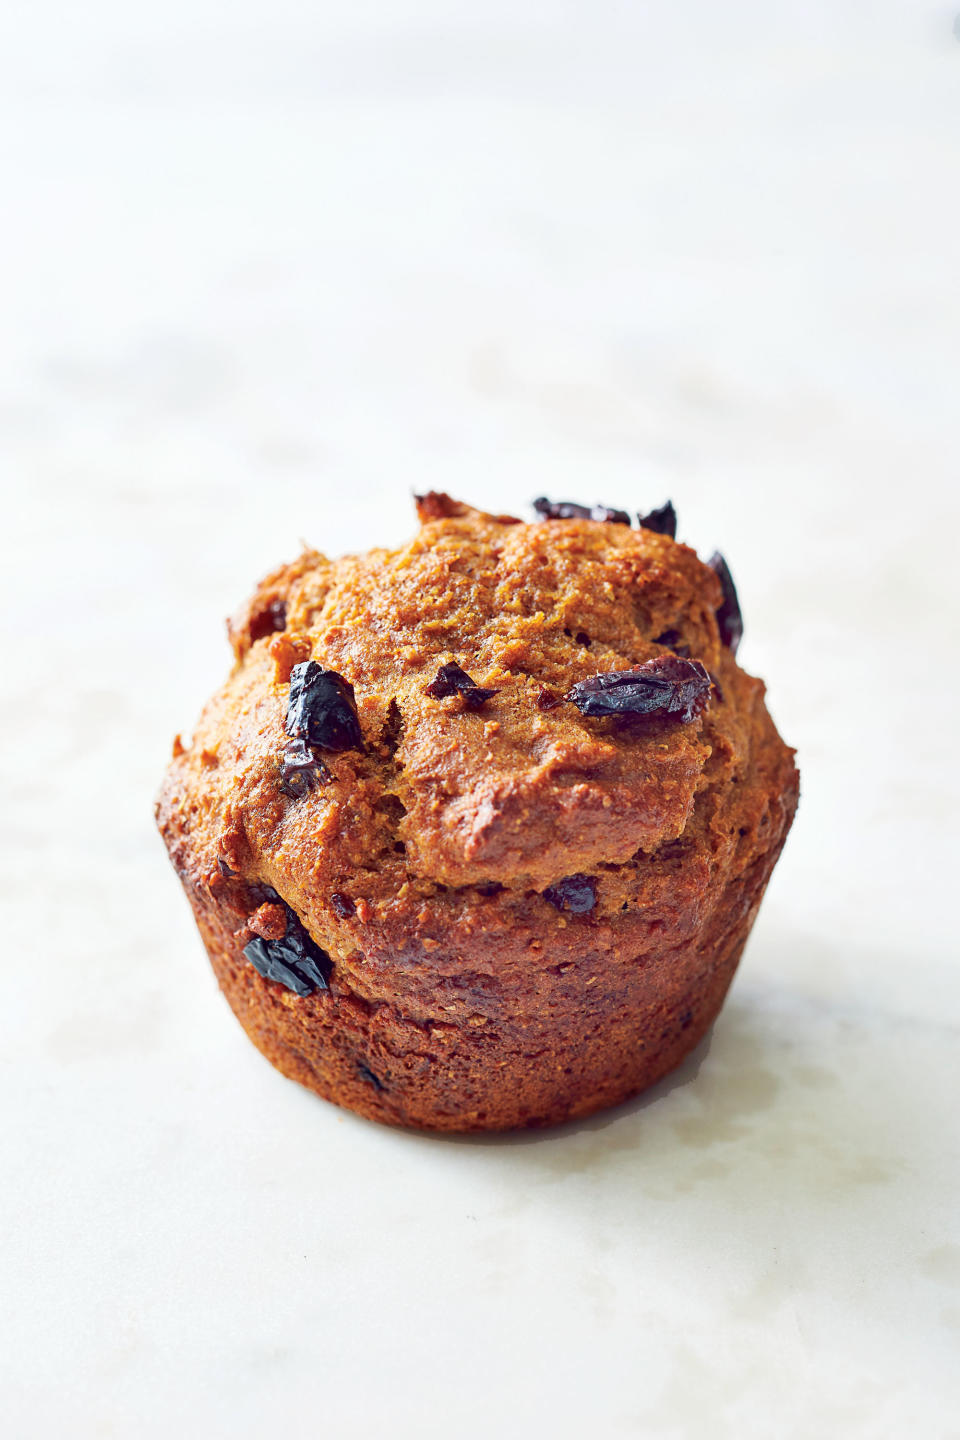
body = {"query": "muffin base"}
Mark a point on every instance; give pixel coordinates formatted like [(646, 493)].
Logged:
[(518, 1069)]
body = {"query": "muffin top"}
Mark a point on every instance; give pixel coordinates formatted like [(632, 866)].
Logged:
[(469, 751)]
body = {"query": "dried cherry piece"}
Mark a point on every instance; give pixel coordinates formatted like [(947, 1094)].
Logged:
[(295, 961), (576, 893), (342, 905), (452, 679), (547, 700), (560, 509), (570, 510), (321, 709), (301, 769), (610, 516), (729, 617), (436, 505), (271, 618), (667, 688), (671, 638), (663, 520)]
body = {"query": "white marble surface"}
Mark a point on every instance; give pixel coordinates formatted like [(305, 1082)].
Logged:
[(265, 268)]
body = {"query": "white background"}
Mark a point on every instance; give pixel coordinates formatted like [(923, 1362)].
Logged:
[(264, 269)]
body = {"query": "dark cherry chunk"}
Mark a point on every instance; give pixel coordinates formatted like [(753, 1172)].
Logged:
[(667, 688), (436, 505), (342, 905), (612, 517), (729, 617), (547, 699), (321, 709), (295, 961), (271, 618), (300, 770), (576, 893), (367, 1074), (453, 680), (569, 510), (560, 509), (663, 520)]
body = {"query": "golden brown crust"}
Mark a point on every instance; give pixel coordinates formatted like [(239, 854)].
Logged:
[(420, 865)]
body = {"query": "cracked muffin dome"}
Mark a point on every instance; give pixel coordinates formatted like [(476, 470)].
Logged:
[(476, 830)]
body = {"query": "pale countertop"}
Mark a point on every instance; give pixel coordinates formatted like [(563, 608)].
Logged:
[(265, 269)]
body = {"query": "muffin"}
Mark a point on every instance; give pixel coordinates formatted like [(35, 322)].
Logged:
[(476, 830)]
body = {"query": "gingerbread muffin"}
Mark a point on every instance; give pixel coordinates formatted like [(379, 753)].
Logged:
[(477, 829)]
